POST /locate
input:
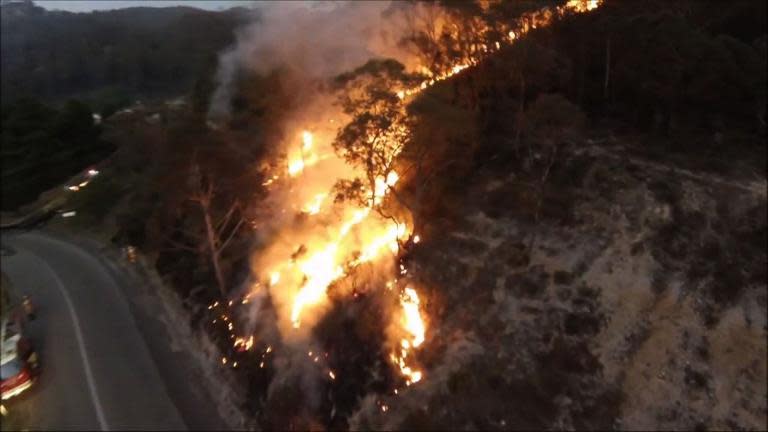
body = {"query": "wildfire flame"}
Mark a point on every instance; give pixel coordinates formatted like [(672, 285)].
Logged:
[(243, 344), (413, 323), (528, 21), (358, 234)]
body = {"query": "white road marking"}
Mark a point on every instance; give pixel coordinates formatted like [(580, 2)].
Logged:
[(81, 345)]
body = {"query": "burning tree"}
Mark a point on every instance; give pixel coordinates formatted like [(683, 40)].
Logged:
[(378, 130)]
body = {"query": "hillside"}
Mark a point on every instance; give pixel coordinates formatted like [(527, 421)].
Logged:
[(566, 231), (653, 284), (108, 55)]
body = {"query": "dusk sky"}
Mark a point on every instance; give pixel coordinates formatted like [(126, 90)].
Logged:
[(91, 5)]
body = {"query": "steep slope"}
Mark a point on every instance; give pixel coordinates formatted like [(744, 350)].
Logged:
[(645, 309)]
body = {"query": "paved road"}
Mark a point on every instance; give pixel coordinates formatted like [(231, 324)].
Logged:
[(103, 364)]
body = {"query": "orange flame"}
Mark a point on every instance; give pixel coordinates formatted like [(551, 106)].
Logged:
[(413, 324), (322, 262)]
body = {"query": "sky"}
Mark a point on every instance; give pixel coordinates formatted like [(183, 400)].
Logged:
[(91, 5)]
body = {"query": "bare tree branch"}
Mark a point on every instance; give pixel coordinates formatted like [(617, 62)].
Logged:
[(231, 234), (225, 220), (182, 246)]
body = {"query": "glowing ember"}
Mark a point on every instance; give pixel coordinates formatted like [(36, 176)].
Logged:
[(243, 344), (332, 375)]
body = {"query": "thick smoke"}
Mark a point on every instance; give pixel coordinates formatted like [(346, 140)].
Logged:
[(316, 40), (312, 42)]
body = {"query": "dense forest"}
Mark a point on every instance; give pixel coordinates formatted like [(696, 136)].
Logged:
[(59, 67), (123, 53)]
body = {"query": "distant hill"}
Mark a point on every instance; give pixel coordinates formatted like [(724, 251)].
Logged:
[(53, 55)]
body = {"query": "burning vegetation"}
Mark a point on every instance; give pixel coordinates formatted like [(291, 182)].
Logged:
[(488, 214), (339, 233), (404, 221)]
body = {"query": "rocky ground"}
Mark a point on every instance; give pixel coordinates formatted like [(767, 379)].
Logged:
[(638, 302)]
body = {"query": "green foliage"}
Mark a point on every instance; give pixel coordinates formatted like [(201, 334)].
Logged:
[(42, 146)]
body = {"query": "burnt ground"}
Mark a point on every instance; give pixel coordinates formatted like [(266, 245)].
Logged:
[(638, 301)]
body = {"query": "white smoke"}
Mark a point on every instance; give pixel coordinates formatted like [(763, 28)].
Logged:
[(316, 39), (312, 42)]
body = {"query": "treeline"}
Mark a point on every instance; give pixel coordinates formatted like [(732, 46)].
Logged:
[(669, 65), (690, 73), (55, 55), (656, 65)]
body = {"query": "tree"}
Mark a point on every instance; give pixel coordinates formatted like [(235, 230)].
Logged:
[(422, 32), (220, 231), (531, 62), (206, 191), (441, 151), (760, 72), (379, 128)]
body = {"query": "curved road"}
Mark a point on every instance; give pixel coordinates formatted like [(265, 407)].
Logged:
[(103, 365)]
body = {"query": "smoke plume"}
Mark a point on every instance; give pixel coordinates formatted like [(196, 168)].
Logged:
[(311, 42), (315, 40)]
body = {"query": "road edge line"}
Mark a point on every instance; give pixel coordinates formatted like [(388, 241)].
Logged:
[(81, 345)]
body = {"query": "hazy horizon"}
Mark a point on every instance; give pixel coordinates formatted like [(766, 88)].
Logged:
[(94, 5)]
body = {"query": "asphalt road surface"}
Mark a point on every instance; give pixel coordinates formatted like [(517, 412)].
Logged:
[(104, 364)]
